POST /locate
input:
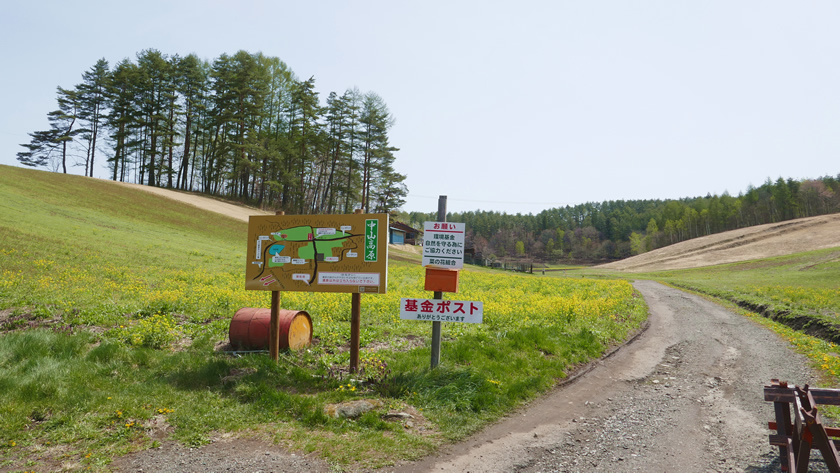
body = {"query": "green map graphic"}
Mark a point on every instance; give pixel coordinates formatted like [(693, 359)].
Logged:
[(332, 253), (304, 243)]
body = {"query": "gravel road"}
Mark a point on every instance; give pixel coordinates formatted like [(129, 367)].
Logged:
[(685, 397)]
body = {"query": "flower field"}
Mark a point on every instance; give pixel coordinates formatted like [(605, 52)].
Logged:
[(101, 293), (534, 330), (113, 306)]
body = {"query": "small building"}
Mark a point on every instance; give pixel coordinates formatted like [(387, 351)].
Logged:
[(470, 256), (401, 234)]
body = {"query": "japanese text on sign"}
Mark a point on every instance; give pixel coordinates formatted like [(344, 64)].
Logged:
[(371, 243), (436, 310), (349, 279), (443, 244)]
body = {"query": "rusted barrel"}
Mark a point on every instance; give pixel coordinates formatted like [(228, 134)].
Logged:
[(250, 327)]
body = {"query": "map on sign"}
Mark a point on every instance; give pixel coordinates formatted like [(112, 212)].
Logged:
[(323, 253)]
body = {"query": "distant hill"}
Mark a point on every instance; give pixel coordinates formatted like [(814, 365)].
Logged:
[(761, 241)]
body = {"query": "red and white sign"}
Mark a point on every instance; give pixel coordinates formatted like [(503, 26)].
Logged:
[(436, 310), (443, 244)]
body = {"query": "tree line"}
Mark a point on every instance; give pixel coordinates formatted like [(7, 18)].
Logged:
[(619, 229), (242, 126)]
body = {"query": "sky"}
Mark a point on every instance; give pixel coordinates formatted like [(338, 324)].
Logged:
[(513, 107)]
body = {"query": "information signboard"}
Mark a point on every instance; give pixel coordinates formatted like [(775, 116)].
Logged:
[(436, 310), (443, 244), (318, 253)]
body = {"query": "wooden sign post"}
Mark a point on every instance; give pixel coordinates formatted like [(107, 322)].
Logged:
[(355, 326), (318, 253), (274, 324)]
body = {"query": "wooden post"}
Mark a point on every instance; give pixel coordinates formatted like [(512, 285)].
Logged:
[(355, 326), (274, 327), (274, 324), (441, 217)]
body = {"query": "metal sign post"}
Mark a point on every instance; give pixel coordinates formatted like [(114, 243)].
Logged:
[(441, 216), (443, 257)]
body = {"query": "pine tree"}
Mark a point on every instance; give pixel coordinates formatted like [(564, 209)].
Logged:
[(274, 131), (389, 190), (192, 81), (123, 119), (245, 127), (377, 154), (336, 118), (41, 149), (92, 99), (352, 188), (46, 144), (153, 98), (304, 135)]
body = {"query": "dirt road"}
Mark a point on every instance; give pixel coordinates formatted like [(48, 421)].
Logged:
[(233, 210), (685, 396)]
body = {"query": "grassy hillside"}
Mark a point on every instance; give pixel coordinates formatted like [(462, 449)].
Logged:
[(85, 247), (745, 244), (113, 303), (799, 290)]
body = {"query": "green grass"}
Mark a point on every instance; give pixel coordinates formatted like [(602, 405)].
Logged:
[(113, 300), (404, 255), (101, 400), (90, 248), (816, 269)]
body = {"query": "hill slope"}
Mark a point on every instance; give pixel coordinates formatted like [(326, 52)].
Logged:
[(761, 241)]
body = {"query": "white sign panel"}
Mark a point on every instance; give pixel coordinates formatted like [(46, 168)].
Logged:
[(436, 310), (348, 279), (443, 244)]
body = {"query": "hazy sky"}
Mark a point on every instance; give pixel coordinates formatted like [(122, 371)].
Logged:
[(508, 106)]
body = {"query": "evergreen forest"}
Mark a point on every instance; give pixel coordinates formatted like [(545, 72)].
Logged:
[(243, 127), (618, 229)]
